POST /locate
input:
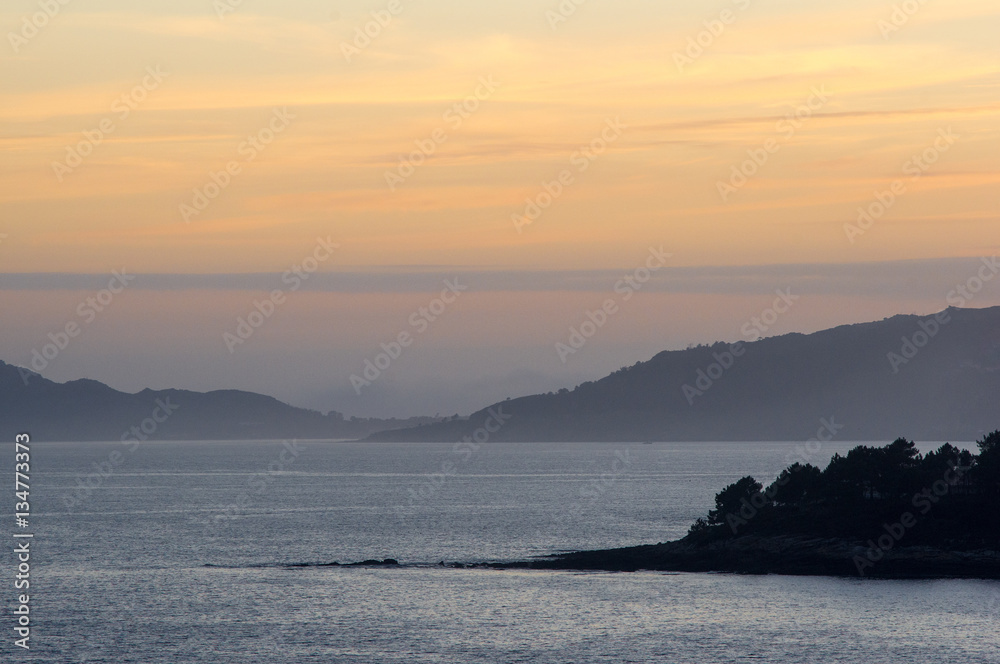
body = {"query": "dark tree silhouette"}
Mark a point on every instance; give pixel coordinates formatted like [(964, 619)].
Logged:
[(797, 484), (730, 500), (948, 497), (987, 471)]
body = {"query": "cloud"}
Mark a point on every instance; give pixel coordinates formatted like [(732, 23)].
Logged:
[(903, 279)]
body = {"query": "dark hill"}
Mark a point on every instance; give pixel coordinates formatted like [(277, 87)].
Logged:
[(777, 389), (86, 410)]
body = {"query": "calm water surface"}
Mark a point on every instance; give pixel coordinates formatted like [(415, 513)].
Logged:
[(213, 552)]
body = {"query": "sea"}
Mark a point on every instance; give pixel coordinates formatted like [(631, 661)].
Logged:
[(221, 552)]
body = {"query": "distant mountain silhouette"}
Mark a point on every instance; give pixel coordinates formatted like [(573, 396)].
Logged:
[(86, 410), (941, 384)]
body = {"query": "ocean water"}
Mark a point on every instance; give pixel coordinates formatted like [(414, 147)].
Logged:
[(216, 552)]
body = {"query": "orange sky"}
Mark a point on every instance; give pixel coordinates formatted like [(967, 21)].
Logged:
[(883, 88)]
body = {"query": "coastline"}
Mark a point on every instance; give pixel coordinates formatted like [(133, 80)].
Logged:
[(788, 555)]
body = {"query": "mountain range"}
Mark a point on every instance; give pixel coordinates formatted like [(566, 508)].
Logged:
[(932, 378), (86, 410)]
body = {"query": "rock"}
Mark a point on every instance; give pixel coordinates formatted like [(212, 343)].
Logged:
[(783, 555)]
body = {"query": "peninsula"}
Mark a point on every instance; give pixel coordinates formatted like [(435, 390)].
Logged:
[(878, 512)]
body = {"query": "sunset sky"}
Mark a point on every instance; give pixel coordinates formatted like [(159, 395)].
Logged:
[(116, 118)]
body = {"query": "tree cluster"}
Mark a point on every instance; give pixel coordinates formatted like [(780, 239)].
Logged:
[(951, 494)]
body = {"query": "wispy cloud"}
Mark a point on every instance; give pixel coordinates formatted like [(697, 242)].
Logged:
[(905, 279)]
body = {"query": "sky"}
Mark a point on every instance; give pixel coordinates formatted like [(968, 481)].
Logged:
[(278, 196)]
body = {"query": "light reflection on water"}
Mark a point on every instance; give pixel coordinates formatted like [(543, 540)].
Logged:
[(122, 577)]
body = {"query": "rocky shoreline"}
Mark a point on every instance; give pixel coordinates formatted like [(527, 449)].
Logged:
[(790, 555)]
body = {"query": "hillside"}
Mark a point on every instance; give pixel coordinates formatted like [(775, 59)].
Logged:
[(86, 410), (778, 388)]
